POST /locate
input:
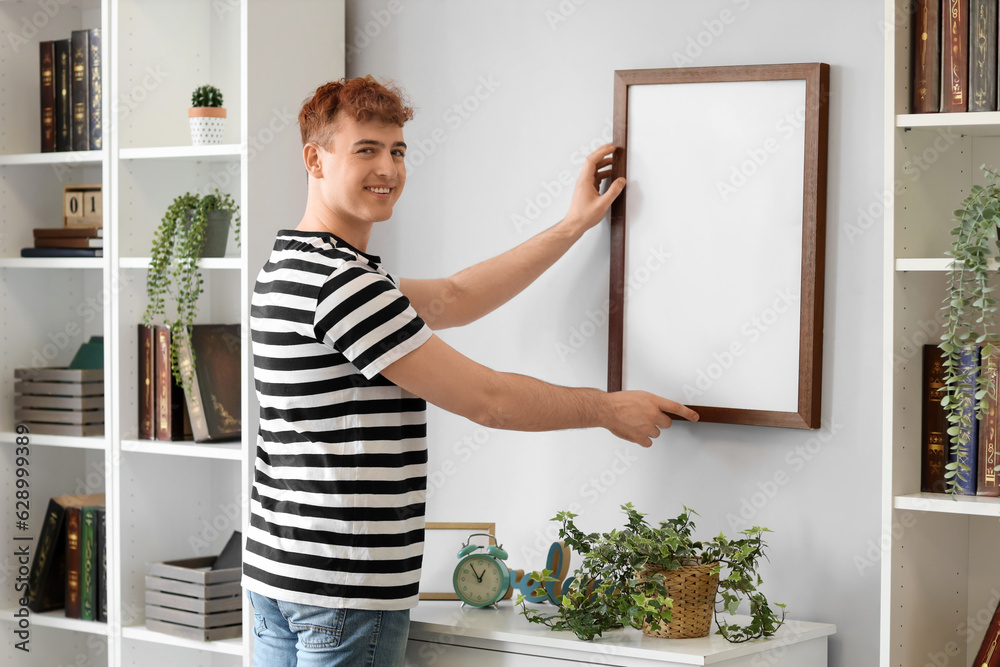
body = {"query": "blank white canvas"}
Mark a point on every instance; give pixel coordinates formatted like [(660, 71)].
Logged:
[(714, 242)]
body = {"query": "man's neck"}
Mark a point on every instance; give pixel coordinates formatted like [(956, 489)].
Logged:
[(324, 220)]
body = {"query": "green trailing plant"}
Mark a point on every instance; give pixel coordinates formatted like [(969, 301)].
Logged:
[(612, 588), (173, 267), (969, 310), (206, 96)]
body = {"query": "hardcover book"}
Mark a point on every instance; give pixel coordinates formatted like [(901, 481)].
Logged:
[(88, 564), (232, 554), (983, 55), (102, 565), (63, 93), (74, 519), (955, 56), (68, 232), (934, 433), (925, 56), (47, 84), (213, 399), (169, 394), (68, 242), (147, 380), (62, 252), (46, 579), (95, 128), (989, 650), (989, 429), (965, 480), (80, 89)]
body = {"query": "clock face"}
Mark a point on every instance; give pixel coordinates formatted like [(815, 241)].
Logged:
[(481, 580)]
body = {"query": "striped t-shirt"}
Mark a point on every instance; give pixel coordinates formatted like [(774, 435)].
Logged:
[(337, 507)]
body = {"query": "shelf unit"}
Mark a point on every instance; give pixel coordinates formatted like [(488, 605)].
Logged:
[(165, 500), (940, 580)]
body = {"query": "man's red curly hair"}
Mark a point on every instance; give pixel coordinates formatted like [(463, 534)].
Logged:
[(361, 98)]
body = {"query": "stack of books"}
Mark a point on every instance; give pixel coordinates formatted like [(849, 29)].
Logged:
[(66, 242), (60, 401)]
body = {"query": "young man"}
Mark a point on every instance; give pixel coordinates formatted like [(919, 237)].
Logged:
[(344, 358)]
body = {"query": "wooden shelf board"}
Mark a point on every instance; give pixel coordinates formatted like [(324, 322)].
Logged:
[(69, 158), (40, 439), (223, 151), (51, 262), (57, 619), (940, 502), (225, 263), (141, 633), (230, 451)]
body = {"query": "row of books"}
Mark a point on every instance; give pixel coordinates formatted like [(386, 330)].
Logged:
[(61, 401), (66, 242), (209, 411), (981, 454), (953, 58), (70, 87), (69, 567)]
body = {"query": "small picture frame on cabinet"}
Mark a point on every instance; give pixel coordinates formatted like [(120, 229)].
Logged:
[(442, 542)]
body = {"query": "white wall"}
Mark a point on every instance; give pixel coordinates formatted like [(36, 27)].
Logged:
[(479, 183)]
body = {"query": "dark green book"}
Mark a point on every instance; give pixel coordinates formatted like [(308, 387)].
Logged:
[(88, 564), (102, 566)]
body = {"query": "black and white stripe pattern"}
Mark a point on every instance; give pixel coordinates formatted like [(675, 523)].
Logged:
[(337, 507)]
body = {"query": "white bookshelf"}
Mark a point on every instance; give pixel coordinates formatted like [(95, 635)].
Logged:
[(936, 552), (165, 500)]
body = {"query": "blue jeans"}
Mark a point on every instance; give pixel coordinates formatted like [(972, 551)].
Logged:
[(300, 635)]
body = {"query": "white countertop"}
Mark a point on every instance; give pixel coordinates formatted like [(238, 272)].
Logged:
[(450, 623)]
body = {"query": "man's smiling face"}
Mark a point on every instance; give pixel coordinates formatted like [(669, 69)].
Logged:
[(362, 170)]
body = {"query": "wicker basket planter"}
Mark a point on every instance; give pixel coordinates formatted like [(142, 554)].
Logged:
[(693, 589)]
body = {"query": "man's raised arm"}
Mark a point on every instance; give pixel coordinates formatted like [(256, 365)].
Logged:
[(441, 375)]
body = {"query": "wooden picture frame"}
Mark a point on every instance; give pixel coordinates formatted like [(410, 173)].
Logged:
[(441, 556), (718, 241)]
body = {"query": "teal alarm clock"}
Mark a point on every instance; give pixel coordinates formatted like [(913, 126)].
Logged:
[(481, 578)]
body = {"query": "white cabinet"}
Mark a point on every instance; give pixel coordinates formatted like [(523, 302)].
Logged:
[(445, 634), (165, 500), (937, 554)]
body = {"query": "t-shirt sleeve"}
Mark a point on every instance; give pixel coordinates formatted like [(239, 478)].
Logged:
[(364, 316)]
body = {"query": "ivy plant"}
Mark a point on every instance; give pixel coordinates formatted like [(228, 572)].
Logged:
[(969, 311), (206, 96), (173, 268), (612, 587)]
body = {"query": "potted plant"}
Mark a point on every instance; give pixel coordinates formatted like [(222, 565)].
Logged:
[(641, 576), (969, 311), (193, 227), (206, 116)]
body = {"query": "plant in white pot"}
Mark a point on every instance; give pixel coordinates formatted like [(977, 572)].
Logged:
[(206, 116)]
